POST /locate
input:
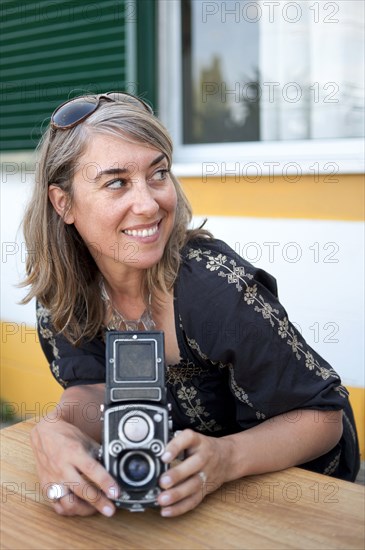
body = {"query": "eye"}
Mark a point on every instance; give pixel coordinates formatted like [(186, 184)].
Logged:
[(116, 184), (160, 175)]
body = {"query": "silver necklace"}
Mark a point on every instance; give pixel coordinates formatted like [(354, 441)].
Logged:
[(119, 322)]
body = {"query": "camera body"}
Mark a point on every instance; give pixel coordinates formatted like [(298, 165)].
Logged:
[(137, 424)]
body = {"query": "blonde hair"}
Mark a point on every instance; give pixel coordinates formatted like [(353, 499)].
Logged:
[(57, 250)]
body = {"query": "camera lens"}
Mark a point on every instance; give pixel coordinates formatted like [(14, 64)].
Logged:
[(136, 468)]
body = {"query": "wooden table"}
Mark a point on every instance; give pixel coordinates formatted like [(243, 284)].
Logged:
[(290, 509)]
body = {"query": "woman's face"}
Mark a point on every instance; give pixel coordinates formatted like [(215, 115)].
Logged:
[(124, 203)]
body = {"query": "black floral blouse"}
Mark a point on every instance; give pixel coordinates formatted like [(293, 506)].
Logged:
[(242, 361)]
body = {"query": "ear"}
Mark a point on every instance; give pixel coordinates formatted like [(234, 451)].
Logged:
[(59, 200)]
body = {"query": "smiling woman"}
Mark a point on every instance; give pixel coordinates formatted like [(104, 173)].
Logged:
[(109, 227), (130, 204)]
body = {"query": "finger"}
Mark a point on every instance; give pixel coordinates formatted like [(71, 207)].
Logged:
[(96, 472), (180, 492), (185, 469), (72, 505), (182, 506), (184, 440), (88, 492)]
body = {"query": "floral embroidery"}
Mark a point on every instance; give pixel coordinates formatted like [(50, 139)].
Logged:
[(55, 369), (342, 391), (333, 465), (179, 375), (309, 361), (43, 319), (295, 345), (214, 263), (182, 372), (250, 294), (195, 410), (237, 275), (283, 327), (193, 344), (350, 426), (195, 254), (242, 395), (267, 311), (192, 409)]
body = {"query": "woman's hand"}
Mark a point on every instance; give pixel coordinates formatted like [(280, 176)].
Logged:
[(65, 455), (202, 471), (273, 445)]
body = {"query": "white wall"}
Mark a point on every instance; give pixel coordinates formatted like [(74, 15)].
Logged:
[(319, 266), (14, 193)]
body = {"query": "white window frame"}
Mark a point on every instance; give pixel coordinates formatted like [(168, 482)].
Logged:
[(298, 157)]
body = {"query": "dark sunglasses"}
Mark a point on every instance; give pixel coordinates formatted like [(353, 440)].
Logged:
[(76, 110)]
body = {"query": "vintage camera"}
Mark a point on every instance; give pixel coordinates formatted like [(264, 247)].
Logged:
[(137, 423)]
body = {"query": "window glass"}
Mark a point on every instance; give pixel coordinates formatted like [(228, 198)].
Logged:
[(264, 70)]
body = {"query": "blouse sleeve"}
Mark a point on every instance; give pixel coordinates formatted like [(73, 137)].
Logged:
[(70, 365), (233, 319)]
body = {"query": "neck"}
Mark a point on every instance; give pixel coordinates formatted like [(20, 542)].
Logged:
[(121, 280), (125, 291), (136, 317)]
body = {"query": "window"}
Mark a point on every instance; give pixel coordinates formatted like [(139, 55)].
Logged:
[(257, 77), (220, 83)]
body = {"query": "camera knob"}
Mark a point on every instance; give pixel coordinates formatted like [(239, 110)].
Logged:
[(115, 448), (157, 447)]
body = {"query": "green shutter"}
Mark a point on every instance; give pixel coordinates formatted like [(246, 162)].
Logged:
[(52, 50), (146, 49)]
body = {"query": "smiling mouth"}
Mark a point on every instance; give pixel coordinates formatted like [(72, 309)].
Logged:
[(142, 232)]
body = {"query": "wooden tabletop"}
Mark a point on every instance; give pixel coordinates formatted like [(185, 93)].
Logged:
[(289, 509)]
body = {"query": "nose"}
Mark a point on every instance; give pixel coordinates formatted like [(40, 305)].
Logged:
[(143, 202)]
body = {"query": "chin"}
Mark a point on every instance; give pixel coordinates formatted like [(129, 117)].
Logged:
[(149, 260)]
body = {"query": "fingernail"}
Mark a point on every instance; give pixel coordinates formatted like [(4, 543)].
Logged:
[(165, 499), (58, 508), (113, 492), (166, 481), (166, 457), (108, 511), (165, 512)]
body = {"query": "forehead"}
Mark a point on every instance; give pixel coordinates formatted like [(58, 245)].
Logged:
[(103, 145), (104, 151)]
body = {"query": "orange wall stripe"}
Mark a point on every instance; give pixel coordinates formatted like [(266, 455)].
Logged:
[(336, 197)]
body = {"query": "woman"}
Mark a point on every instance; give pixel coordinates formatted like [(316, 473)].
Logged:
[(109, 226)]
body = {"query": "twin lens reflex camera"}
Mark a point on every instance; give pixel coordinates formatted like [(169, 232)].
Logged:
[(137, 423)]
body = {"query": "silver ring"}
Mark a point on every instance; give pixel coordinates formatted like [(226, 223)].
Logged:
[(57, 491), (202, 476), (97, 453)]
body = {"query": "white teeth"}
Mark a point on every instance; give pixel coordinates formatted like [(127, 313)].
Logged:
[(141, 232)]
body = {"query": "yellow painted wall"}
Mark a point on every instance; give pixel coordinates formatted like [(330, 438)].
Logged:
[(277, 197), (26, 381)]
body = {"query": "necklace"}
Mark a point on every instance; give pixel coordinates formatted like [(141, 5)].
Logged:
[(119, 322)]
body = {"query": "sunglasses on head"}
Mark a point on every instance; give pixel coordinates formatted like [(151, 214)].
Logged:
[(76, 110)]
